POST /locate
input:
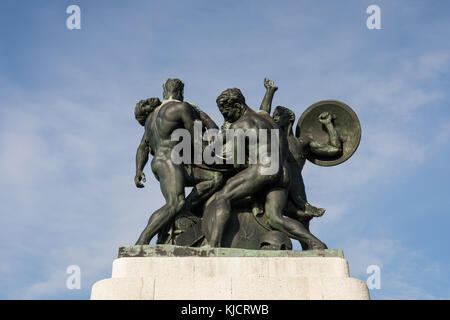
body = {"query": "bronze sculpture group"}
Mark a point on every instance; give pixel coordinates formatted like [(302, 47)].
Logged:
[(257, 203)]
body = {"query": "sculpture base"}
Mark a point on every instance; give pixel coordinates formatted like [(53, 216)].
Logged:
[(169, 273)]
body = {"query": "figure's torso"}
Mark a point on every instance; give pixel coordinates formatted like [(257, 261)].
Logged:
[(262, 123), (163, 121), (297, 150)]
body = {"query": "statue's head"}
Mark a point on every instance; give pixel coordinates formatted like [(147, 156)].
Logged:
[(283, 116), (173, 88), (144, 108), (231, 103)]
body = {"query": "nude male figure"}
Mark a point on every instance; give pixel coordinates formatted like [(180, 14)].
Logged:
[(161, 120), (299, 149), (298, 208), (252, 177)]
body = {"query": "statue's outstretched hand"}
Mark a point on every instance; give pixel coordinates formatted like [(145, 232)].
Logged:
[(269, 84), (326, 117), (140, 176)]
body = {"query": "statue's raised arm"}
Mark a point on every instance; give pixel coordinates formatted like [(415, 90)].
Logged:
[(334, 147), (332, 131), (266, 104)]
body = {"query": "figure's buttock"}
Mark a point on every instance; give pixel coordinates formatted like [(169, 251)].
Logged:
[(161, 159)]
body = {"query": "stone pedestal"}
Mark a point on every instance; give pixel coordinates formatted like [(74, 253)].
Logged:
[(178, 273)]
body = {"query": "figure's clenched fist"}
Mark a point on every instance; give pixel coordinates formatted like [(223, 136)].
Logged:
[(140, 176), (326, 117), (269, 84)]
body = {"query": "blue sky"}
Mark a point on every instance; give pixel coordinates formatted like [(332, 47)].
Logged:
[(68, 135)]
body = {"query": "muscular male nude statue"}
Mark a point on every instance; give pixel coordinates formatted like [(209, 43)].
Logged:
[(161, 120), (253, 178), (299, 150), (297, 207)]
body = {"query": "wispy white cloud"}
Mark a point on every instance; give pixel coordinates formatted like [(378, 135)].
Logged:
[(67, 151)]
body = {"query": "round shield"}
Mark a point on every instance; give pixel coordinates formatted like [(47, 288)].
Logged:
[(344, 120)]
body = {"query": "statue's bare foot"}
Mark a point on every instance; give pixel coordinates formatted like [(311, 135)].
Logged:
[(316, 245), (313, 211)]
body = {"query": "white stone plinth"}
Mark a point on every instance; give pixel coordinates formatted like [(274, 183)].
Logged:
[(230, 278)]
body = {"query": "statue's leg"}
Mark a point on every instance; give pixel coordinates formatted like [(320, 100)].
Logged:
[(275, 204), (297, 196), (171, 179), (217, 212), (206, 182), (297, 212), (297, 185), (293, 212)]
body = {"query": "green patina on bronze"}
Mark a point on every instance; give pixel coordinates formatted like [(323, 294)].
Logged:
[(180, 251), (346, 123), (239, 208)]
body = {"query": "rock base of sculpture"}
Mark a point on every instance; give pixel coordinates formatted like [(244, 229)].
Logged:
[(165, 272)]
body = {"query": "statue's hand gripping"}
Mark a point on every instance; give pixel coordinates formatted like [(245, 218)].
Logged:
[(270, 85), (140, 176), (326, 118)]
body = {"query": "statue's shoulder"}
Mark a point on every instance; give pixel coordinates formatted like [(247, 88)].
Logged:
[(193, 105), (261, 112), (175, 106), (264, 114)]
